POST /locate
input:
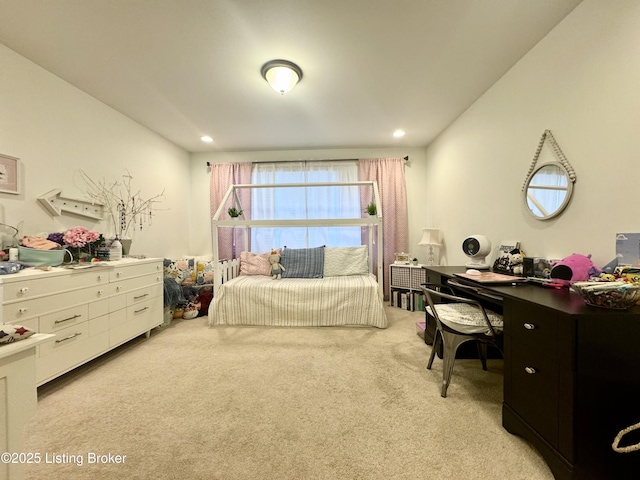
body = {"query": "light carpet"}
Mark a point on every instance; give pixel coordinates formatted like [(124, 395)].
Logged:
[(196, 402)]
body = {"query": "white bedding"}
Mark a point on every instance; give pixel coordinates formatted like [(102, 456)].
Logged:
[(301, 302)]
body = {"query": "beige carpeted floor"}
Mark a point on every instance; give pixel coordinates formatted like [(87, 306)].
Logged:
[(194, 402)]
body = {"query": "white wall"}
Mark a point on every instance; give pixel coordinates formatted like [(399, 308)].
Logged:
[(582, 82), (414, 171), (56, 130)]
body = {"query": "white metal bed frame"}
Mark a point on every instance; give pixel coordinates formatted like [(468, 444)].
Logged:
[(228, 269)]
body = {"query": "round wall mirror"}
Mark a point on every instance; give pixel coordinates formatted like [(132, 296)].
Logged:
[(548, 190)]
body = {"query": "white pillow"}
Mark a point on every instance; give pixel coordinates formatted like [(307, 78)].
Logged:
[(341, 261)]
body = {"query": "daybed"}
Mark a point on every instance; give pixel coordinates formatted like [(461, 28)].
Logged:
[(321, 286)]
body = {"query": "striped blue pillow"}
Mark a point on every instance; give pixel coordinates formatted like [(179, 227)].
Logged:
[(302, 262)]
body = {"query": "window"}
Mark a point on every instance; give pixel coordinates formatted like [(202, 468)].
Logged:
[(301, 203)]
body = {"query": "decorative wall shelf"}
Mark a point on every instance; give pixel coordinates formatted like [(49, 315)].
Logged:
[(56, 204)]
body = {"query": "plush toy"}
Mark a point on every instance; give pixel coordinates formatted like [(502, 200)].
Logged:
[(516, 259), (191, 311), (204, 299), (574, 268), (276, 267)]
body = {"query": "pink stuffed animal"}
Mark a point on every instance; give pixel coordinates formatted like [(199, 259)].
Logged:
[(574, 268)]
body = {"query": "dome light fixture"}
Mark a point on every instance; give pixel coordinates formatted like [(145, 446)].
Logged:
[(282, 75)]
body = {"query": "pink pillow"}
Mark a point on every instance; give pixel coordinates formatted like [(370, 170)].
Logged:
[(254, 263)]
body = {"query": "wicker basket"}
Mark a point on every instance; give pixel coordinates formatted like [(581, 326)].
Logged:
[(616, 295)]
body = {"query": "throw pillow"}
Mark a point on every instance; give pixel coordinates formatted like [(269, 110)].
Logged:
[(182, 271), (303, 262), (254, 263), (12, 333), (204, 272), (342, 261)]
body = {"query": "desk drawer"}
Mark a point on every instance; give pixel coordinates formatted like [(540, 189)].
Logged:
[(532, 326), (534, 390)]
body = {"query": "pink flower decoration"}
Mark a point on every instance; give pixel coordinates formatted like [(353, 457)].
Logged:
[(79, 236)]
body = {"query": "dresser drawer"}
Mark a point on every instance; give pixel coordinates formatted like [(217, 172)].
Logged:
[(129, 271), (134, 283), (54, 322), (99, 325), (99, 308), (68, 338), (534, 390), (70, 348), (20, 311), (118, 302), (36, 287), (134, 321), (142, 294)]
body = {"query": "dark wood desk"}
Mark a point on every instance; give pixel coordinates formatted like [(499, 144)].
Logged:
[(571, 377)]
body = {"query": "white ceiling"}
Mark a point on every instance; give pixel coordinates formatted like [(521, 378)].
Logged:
[(187, 68)]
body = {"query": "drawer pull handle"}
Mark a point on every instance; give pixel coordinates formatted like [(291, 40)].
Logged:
[(530, 370), (529, 326), (67, 319), (23, 310), (100, 277), (100, 292), (141, 296), (24, 289), (69, 337), (141, 310)]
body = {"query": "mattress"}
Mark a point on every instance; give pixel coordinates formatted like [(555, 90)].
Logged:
[(299, 302)]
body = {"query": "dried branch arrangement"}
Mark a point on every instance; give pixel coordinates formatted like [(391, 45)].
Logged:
[(125, 207)]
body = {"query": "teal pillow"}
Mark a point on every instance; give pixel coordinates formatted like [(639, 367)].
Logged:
[(302, 262)]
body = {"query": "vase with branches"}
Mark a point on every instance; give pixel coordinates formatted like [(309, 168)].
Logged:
[(126, 208)]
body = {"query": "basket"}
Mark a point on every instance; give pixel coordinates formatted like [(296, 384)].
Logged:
[(616, 295), (41, 258)]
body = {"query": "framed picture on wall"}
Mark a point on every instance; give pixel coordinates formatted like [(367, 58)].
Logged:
[(9, 174)]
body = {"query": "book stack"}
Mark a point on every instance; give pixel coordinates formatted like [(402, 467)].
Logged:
[(408, 300)]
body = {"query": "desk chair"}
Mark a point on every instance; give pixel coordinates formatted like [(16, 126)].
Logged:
[(458, 321)]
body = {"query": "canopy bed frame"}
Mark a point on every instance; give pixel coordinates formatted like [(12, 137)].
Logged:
[(260, 300)]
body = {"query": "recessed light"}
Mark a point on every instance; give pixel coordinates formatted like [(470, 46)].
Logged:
[(206, 139), (399, 133)]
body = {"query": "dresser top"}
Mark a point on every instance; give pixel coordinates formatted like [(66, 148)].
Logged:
[(46, 272)]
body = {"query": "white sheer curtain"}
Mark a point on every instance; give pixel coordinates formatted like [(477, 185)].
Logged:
[(304, 203)]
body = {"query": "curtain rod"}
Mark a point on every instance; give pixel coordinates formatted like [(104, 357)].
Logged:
[(406, 159)]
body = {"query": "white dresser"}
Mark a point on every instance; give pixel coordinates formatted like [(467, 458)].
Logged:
[(90, 310)]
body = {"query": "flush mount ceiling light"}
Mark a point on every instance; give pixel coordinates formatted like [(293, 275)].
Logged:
[(282, 75), (399, 133)]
